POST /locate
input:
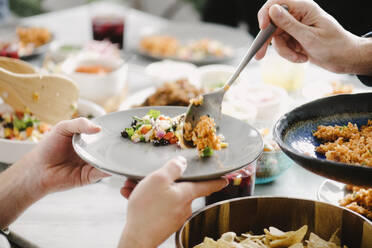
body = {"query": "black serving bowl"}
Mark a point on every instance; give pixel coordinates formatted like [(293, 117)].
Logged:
[(242, 215), (294, 134)]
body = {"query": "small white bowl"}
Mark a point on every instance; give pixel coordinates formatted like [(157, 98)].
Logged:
[(97, 88), (212, 77), (169, 71), (270, 101), (12, 150), (240, 110)]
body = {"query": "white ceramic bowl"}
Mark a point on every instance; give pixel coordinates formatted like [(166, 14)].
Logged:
[(211, 77), (97, 88), (168, 71), (239, 110), (270, 101), (12, 150)]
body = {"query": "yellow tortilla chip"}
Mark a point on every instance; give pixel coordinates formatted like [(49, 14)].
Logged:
[(294, 238), (229, 236)]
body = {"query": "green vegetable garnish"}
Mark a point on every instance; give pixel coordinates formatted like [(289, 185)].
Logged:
[(130, 131), (154, 113), (70, 48), (218, 85), (207, 152), (142, 139), (24, 123), (137, 119)]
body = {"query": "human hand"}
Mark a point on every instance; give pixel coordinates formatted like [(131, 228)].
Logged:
[(158, 206), (52, 166), (57, 165), (306, 32)]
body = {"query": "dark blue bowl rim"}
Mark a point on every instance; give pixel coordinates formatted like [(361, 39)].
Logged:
[(290, 151)]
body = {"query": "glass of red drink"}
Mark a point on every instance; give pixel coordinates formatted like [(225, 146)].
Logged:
[(241, 183), (108, 22), (110, 28)]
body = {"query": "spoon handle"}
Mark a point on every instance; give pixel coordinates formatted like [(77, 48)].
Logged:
[(258, 42)]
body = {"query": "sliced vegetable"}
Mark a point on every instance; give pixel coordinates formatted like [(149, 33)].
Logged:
[(145, 129), (207, 152), (154, 113), (168, 135), (130, 131)]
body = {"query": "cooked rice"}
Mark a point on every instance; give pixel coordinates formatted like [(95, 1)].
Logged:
[(197, 101), (360, 201), (346, 144), (203, 135), (160, 45), (350, 145)]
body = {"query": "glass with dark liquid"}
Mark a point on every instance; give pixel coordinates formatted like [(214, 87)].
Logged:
[(241, 183), (109, 28)]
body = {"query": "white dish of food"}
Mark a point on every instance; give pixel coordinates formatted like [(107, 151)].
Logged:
[(169, 71), (270, 101), (331, 192), (322, 89), (98, 78), (212, 77), (12, 150), (222, 42)]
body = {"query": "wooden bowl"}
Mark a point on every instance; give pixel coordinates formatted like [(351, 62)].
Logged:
[(256, 213)]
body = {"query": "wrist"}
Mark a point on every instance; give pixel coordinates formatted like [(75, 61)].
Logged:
[(131, 239), (362, 62), (29, 175), (18, 190)]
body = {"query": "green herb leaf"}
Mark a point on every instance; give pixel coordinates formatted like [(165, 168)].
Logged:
[(130, 131), (142, 139), (207, 152), (154, 113), (19, 124)]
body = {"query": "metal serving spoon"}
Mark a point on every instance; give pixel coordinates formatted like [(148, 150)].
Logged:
[(212, 102)]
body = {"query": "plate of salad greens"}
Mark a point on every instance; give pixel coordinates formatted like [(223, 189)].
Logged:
[(135, 142)]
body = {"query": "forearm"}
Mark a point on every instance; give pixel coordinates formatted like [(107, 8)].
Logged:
[(18, 191), (363, 54), (129, 239)]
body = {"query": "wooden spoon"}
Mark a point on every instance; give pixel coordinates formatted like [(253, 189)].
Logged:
[(51, 98), (16, 66)]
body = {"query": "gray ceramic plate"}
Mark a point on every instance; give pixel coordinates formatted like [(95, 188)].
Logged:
[(237, 40), (109, 152)]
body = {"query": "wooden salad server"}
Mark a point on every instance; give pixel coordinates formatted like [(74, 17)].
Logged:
[(52, 98), (16, 66)]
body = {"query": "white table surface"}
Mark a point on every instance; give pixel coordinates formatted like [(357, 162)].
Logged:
[(93, 216)]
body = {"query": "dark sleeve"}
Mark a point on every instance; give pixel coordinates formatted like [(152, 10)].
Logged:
[(367, 80), (221, 12)]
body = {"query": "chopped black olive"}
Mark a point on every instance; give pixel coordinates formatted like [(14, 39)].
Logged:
[(156, 143), (8, 125), (164, 142), (134, 123), (1, 118), (124, 134)]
